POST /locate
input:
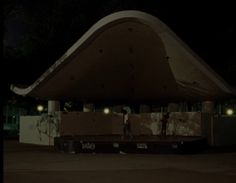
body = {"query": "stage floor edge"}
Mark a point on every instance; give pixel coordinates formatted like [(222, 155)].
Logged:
[(135, 144)]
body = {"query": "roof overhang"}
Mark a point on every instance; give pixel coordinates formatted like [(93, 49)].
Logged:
[(128, 55)]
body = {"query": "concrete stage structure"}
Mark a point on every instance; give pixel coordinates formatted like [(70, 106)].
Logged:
[(130, 56)]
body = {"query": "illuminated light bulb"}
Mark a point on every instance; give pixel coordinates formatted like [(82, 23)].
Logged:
[(229, 112), (40, 108), (106, 111)]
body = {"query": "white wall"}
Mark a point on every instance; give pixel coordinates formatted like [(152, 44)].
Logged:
[(36, 130)]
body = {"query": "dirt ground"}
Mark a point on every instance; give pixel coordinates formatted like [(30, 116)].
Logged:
[(37, 164)]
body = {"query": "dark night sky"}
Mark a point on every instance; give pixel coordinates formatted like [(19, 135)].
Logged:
[(37, 33)]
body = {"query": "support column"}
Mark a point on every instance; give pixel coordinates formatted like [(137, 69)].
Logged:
[(144, 108), (183, 107), (88, 107), (173, 107), (208, 106), (53, 106)]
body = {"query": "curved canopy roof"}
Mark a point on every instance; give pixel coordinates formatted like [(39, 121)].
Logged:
[(128, 55)]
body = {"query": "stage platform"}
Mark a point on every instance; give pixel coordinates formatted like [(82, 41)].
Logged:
[(135, 144)]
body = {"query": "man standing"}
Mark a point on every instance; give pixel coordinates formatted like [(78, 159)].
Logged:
[(126, 124), (164, 122)]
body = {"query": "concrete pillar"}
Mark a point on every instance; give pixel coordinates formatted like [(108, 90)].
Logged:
[(208, 106), (183, 107), (144, 108), (88, 107), (173, 107), (53, 106)]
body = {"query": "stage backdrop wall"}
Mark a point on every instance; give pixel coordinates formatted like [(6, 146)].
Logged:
[(91, 123), (42, 129)]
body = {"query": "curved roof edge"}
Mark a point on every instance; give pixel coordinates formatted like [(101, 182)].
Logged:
[(145, 18)]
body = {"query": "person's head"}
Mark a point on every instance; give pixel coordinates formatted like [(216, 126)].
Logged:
[(124, 111), (167, 115)]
